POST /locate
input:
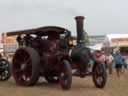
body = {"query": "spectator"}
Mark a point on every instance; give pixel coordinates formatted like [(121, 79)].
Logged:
[(109, 62), (124, 63), (126, 60), (118, 58)]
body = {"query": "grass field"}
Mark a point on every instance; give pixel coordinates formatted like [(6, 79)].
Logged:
[(80, 87)]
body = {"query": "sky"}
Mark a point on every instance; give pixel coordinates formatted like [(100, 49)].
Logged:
[(101, 16)]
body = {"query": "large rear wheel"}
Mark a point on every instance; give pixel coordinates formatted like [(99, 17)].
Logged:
[(25, 66)]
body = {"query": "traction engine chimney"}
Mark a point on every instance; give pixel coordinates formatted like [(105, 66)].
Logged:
[(80, 29)]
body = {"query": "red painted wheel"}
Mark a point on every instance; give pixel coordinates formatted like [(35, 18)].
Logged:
[(25, 66), (66, 75), (99, 74)]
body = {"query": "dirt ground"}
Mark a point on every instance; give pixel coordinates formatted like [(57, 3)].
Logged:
[(80, 87)]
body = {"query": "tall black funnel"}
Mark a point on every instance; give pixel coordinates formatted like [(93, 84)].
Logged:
[(80, 29)]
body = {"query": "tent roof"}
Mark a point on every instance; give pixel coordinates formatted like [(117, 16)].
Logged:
[(111, 36), (115, 40)]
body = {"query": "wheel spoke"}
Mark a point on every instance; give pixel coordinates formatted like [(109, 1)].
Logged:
[(3, 75), (19, 56), (25, 77), (99, 80), (27, 61), (18, 71)]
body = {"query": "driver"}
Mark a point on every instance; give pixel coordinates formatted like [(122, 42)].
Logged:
[(19, 40), (27, 39)]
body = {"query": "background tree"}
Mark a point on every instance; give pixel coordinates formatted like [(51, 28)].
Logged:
[(86, 38)]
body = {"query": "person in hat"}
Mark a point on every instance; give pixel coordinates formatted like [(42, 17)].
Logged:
[(19, 40), (27, 39)]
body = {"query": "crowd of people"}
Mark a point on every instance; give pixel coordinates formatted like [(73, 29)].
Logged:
[(115, 59)]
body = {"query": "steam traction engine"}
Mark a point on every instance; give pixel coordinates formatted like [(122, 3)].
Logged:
[(46, 52)]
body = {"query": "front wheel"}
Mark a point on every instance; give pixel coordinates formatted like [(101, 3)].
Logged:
[(66, 75), (99, 74)]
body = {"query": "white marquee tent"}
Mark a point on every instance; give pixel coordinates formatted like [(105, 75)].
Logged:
[(116, 40)]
